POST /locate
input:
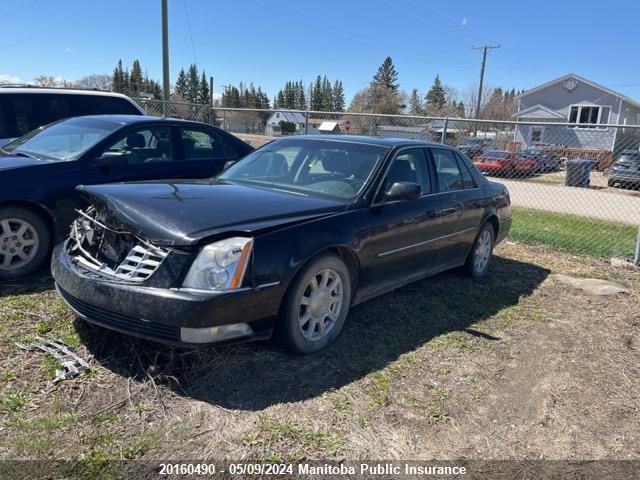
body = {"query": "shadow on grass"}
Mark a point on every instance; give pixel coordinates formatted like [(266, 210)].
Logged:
[(38, 282), (377, 332)]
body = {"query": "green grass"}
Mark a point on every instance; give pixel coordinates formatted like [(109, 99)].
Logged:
[(573, 233)]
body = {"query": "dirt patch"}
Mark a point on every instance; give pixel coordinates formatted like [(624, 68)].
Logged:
[(515, 366)]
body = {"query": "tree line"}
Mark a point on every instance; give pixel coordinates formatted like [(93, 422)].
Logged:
[(383, 94)]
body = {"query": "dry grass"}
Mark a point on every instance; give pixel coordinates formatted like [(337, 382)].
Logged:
[(445, 368)]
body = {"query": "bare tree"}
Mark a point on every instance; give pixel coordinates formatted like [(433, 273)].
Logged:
[(470, 97), (97, 81), (51, 81)]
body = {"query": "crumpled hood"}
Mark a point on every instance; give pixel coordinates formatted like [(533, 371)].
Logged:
[(184, 213)]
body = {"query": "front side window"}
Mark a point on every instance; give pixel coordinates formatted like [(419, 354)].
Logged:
[(143, 145), (201, 145), (409, 166), (336, 169), (447, 169)]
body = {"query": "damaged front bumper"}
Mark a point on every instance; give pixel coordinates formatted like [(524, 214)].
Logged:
[(163, 313)]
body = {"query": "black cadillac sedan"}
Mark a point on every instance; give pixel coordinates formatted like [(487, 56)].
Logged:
[(39, 173), (284, 241)]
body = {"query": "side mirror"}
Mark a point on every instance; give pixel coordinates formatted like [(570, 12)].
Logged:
[(229, 163), (403, 191), (108, 159)]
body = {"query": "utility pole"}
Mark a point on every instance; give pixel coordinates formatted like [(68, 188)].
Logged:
[(484, 49), (165, 59), (211, 100)]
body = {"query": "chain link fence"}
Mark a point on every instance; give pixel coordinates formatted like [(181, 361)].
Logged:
[(574, 186)]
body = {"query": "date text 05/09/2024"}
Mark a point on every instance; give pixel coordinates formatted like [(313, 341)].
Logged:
[(367, 469)]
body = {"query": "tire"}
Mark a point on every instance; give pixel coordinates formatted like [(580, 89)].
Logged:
[(611, 183), (25, 241), (324, 318), (479, 259)]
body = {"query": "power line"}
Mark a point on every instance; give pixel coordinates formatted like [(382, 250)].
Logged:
[(193, 46)]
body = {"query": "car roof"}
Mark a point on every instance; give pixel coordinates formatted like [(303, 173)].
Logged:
[(364, 139), (60, 91), (131, 119)]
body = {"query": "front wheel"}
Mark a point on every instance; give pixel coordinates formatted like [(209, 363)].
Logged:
[(479, 258), (24, 242), (316, 305)]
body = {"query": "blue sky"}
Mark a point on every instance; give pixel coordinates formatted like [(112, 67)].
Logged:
[(270, 42)]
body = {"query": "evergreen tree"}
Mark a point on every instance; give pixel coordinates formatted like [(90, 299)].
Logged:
[(193, 84), (203, 91), (135, 79), (338, 97), (460, 110), (300, 97), (435, 99), (316, 95), (415, 104), (118, 78), (327, 95), (386, 76), (126, 82), (181, 84)]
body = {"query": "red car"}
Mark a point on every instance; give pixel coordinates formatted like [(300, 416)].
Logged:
[(504, 162)]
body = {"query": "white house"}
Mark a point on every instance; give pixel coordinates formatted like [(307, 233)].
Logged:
[(273, 128)]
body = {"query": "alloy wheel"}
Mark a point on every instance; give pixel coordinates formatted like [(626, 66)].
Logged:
[(482, 251), (18, 243), (320, 305)]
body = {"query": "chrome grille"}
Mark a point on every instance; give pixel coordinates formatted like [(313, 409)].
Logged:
[(111, 252)]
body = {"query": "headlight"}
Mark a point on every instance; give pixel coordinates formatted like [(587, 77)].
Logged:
[(220, 265)]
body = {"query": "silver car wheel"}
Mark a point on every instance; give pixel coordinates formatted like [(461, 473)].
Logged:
[(19, 243), (320, 305), (483, 251)]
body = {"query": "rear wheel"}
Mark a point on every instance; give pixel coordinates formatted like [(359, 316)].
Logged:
[(24, 242), (479, 258), (316, 305)]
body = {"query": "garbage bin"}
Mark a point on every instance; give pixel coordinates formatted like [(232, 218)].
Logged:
[(578, 172)]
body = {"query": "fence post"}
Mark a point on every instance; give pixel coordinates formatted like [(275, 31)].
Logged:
[(636, 261), (306, 122), (443, 139)]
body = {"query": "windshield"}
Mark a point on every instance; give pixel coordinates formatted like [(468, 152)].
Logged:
[(496, 154), (62, 141), (337, 169)]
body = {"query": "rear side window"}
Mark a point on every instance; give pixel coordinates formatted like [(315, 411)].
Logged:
[(465, 170), (201, 145), (449, 175), (101, 105), (21, 113)]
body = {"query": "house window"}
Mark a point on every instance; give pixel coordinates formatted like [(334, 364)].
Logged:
[(536, 135), (589, 114)]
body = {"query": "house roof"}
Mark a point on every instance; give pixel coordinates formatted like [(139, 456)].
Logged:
[(328, 126), (538, 111), (583, 80), (394, 128), (293, 117)]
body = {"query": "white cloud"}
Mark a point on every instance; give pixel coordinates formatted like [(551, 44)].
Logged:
[(464, 21), (217, 96), (8, 78), (68, 50)]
